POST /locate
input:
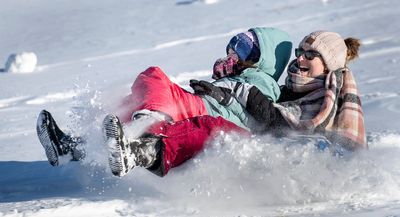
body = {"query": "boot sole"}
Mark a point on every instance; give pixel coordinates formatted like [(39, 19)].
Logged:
[(113, 138), (45, 122)]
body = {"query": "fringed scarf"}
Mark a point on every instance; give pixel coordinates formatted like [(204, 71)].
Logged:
[(333, 106)]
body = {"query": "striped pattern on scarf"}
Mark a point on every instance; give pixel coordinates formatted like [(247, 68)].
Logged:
[(333, 107)]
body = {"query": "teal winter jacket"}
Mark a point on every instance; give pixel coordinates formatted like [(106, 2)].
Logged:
[(275, 49)]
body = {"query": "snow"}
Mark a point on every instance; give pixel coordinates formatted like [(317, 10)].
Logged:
[(24, 62), (90, 52)]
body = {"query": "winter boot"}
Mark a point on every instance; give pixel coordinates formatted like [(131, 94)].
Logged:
[(126, 154), (56, 143)]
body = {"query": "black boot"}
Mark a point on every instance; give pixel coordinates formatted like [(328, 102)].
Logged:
[(125, 153), (55, 142)]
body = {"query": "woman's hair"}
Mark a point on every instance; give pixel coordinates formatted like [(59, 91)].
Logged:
[(353, 45)]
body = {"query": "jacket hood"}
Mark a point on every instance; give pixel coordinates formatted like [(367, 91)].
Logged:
[(275, 48)]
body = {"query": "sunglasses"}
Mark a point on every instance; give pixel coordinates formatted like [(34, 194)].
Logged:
[(309, 54)]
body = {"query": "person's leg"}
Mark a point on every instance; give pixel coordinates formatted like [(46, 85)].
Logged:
[(182, 140), (154, 91), (166, 145), (56, 143)]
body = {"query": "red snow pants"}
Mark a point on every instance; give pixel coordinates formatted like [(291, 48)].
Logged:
[(154, 91), (182, 140)]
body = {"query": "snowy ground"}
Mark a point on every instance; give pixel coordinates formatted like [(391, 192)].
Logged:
[(88, 54)]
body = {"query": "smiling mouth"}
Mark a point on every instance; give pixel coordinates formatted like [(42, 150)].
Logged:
[(303, 69)]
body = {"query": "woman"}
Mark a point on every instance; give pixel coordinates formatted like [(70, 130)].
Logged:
[(257, 57), (320, 97), (329, 85)]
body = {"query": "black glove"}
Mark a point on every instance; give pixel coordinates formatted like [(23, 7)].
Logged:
[(221, 94), (260, 107)]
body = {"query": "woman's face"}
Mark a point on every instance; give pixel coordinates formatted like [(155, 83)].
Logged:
[(313, 68)]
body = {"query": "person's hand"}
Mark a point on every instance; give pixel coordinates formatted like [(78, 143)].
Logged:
[(221, 94), (260, 107), (226, 66)]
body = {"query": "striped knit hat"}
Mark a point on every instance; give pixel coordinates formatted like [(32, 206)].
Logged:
[(330, 45)]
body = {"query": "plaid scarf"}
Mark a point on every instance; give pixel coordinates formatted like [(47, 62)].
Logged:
[(332, 107)]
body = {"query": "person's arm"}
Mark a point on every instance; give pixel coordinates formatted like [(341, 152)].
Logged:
[(223, 90), (249, 96)]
